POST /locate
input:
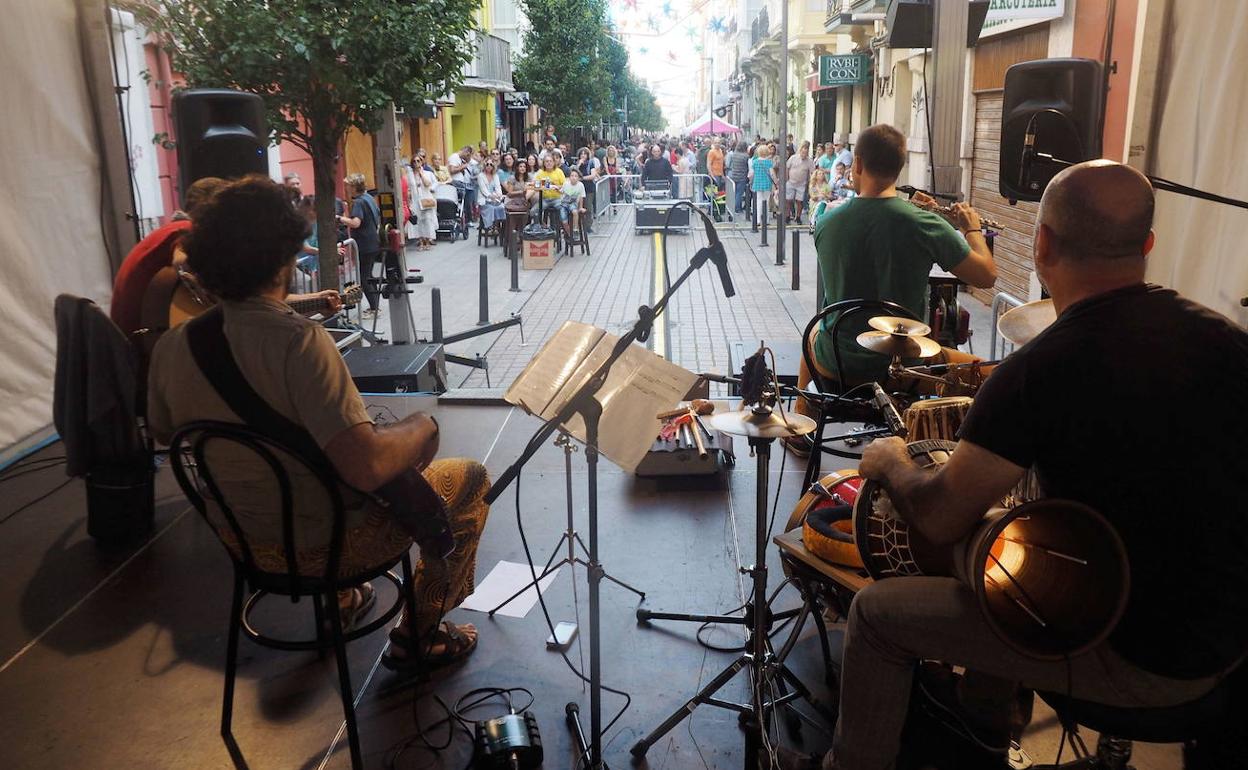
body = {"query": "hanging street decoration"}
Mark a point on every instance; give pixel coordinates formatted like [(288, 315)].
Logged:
[(716, 24)]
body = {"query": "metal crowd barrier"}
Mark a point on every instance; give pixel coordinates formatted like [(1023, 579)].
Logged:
[(998, 302), (306, 280)]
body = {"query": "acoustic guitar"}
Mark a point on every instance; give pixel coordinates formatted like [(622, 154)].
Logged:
[(175, 296)]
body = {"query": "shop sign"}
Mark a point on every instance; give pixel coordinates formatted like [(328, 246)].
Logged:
[(1008, 15), (517, 100), (848, 70)]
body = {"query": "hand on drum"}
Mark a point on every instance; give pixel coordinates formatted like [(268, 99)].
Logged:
[(882, 455)]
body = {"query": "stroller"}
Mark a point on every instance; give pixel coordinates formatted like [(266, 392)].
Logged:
[(451, 220), (718, 201)]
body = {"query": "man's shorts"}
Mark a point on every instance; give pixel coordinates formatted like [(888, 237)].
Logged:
[(794, 192)]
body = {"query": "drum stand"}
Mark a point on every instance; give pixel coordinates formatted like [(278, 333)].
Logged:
[(570, 536), (767, 670)]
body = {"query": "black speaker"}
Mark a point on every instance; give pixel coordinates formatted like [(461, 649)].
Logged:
[(219, 133), (909, 23), (1062, 100)]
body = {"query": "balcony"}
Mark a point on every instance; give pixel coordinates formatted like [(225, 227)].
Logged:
[(490, 68), (848, 15)]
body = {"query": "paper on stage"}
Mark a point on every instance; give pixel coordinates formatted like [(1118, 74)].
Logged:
[(505, 579), (640, 385)]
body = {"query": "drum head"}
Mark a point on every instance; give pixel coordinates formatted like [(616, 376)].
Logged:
[(884, 542)]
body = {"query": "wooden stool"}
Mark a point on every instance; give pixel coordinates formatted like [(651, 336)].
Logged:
[(579, 235), (515, 222)]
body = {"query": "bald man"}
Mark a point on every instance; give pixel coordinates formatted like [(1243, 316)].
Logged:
[(1130, 385)]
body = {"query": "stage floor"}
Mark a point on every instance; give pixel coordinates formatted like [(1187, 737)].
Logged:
[(114, 659)]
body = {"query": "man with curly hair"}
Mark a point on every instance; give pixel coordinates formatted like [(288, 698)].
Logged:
[(243, 249)]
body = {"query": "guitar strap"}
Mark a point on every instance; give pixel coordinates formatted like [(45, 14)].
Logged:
[(211, 351), (414, 504)]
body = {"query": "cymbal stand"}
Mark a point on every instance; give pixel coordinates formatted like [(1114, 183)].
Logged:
[(765, 667), (570, 536)]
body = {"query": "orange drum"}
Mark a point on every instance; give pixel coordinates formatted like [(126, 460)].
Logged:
[(825, 514)]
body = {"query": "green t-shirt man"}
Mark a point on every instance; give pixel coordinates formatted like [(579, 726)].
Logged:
[(879, 249)]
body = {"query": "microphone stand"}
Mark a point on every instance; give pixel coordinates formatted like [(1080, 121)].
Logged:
[(584, 403)]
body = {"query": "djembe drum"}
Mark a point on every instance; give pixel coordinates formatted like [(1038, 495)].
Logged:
[(1049, 575)]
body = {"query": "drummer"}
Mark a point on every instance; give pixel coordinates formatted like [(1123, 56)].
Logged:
[(878, 246), (1127, 365)]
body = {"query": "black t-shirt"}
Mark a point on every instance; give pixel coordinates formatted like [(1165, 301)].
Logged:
[(657, 168), (1131, 402), (367, 236)]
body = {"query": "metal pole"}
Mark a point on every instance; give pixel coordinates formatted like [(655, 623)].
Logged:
[(949, 25), (797, 259), (515, 264), (763, 216), (483, 296), (435, 296), (783, 175)]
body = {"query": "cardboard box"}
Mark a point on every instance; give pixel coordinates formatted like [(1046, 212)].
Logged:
[(538, 254)]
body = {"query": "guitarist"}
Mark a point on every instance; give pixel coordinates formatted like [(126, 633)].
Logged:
[(243, 250), (163, 248)]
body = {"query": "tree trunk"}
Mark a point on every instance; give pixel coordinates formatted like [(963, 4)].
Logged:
[(324, 163)]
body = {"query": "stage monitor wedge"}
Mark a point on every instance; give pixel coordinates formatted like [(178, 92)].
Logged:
[(909, 23), (219, 133), (1062, 100)]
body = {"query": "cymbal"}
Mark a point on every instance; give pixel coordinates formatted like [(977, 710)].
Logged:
[(906, 327), (898, 344), (768, 425), (1022, 324)]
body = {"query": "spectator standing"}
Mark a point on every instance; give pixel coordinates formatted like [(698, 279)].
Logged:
[(294, 188), (797, 180), (825, 159), (590, 170), (365, 223), (737, 166), (762, 181), (715, 164), (426, 208), (704, 149), (613, 166), (657, 167)]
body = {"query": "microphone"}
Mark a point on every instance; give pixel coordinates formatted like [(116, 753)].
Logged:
[(717, 253), (1028, 156), (888, 409)]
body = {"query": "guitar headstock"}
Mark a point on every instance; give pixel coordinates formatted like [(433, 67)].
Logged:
[(352, 295)]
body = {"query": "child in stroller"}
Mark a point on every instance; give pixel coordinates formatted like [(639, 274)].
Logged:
[(451, 219), (718, 200)]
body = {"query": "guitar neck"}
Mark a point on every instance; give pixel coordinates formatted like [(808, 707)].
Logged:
[(309, 306)]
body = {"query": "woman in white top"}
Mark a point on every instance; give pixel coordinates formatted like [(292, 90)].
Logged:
[(426, 206), (490, 196)]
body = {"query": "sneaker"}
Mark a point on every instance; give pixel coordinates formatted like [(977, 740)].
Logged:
[(370, 313)]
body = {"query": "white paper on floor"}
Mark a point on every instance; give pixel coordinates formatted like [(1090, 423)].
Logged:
[(505, 579)]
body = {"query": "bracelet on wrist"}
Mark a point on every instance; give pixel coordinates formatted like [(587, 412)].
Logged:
[(976, 230)]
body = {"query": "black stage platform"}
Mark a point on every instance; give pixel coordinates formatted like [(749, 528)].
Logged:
[(113, 660)]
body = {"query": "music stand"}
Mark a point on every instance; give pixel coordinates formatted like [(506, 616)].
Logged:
[(583, 403)]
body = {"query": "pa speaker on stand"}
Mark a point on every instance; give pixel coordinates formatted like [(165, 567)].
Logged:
[(220, 133), (1051, 106)]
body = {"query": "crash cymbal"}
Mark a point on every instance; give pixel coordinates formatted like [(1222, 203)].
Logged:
[(1022, 324), (907, 327), (769, 424), (899, 345)]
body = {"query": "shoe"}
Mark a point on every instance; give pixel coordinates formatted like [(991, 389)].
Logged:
[(370, 313), (359, 601), (788, 759)]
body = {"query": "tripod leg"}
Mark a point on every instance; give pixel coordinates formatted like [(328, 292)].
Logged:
[(622, 584), (549, 569), (640, 748)]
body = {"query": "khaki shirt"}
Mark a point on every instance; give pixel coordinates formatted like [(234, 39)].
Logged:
[(293, 365)]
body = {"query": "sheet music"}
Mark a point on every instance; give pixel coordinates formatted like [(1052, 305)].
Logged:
[(640, 385)]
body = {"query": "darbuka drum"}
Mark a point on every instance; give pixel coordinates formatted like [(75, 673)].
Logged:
[(825, 514), (1051, 576), (936, 418)]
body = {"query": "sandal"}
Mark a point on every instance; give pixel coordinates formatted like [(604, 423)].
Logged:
[(455, 646), (363, 597)]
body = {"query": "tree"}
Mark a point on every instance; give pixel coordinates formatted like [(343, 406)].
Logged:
[(643, 109), (322, 67), (562, 66)]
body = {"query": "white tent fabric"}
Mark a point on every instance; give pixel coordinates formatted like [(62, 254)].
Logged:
[(1203, 109), (51, 239)]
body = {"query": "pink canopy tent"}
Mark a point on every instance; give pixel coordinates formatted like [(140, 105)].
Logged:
[(709, 124)]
